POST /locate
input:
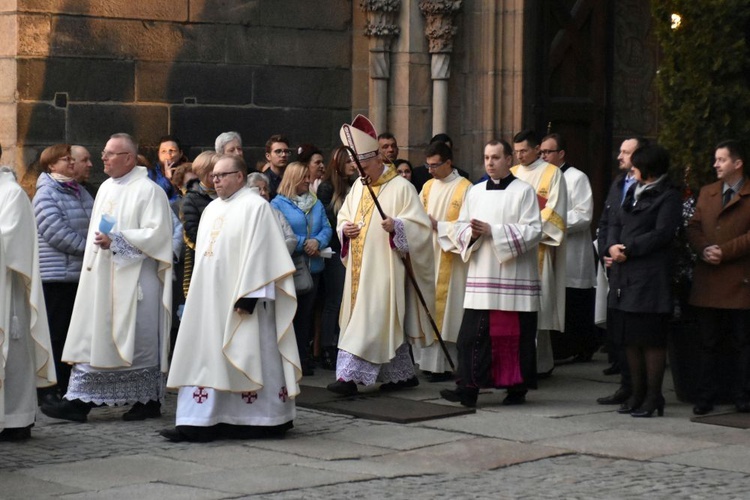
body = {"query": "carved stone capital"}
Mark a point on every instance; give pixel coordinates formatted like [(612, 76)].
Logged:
[(439, 29), (381, 22)]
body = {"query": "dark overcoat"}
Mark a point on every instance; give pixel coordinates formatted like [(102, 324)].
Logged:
[(647, 227)]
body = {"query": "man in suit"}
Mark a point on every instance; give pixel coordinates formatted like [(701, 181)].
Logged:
[(719, 233), (616, 194)]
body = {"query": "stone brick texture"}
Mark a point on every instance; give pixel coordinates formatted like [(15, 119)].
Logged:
[(192, 68)]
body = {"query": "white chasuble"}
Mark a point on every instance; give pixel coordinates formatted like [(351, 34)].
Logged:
[(385, 311), (240, 252)]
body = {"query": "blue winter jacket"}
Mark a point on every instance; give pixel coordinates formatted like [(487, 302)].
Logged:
[(62, 220), (320, 229)]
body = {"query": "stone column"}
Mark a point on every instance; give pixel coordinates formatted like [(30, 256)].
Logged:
[(380, 29), (439, 29)]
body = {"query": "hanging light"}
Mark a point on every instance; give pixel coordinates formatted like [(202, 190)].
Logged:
[(676, 21)]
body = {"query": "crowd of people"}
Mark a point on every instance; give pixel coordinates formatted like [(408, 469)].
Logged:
[(230, 285)]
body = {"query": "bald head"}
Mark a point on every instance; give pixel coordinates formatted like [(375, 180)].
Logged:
[(81, 163)]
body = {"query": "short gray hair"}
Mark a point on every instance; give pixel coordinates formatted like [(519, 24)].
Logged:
[(254, 178), (224, 139), (129, 139)]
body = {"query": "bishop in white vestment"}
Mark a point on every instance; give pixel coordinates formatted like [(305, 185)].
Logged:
[(380, 312)]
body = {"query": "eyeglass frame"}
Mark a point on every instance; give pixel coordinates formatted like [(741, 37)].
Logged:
[(221, 175), (278, 152), (110, 154), (545, 152), (428, 166)]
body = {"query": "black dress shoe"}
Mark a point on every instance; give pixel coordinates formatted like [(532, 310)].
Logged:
[(464, 396), (743, 406), (614, 369), (141, 411), (402, 384), (344, 388), (16, 433), (439, 377), (702, 408), (75, 410), (619, 397), (514, 398), (173, 435)]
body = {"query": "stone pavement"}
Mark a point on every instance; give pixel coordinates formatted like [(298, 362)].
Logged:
[(559, 445)]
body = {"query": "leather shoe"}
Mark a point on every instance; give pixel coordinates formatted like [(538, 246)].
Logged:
[(514, 398), (16, 433), (439, 377), (141, 411), (173, 435), (702, 408), (619, 397), (401, 384), (460, 395), (743, 406), (75, 411), (614, 369), (343, 388)]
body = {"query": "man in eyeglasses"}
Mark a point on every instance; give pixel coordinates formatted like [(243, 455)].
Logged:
[(236, 362), (443, 196), (118, 339), (278, 155), (549, 183), (578, 341)]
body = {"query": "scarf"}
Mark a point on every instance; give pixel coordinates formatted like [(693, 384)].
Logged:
[(304, 201)]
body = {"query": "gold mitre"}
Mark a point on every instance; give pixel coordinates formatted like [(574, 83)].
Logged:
[(361, 137)]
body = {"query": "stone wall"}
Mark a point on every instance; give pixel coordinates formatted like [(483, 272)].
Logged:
[(74, 71)]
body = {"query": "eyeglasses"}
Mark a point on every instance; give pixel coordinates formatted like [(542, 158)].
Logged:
[(428, 166), (549, 151), (110, 154), (221, 175), (280, 152)]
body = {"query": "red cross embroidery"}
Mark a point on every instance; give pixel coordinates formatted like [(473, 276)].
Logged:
[(283, 394), (249, 397), (200, 395)]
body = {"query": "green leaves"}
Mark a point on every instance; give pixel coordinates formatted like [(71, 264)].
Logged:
[(703, 80)]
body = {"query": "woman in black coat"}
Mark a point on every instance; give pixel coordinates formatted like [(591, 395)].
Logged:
[(640, 242)]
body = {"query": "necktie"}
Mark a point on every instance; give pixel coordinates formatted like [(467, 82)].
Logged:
[(727, 196)]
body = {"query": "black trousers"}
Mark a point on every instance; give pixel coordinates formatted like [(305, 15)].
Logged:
[(475, 350), (59, 299), (717, 326), (579, 336)]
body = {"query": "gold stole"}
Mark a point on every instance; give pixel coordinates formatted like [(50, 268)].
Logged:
[(542, 194), (363, 216), (446, 258)]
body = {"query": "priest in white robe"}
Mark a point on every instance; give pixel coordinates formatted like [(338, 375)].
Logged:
[(118, 340), (25, 349), (497, 233), (442, 197), (236, 362), (551, 191), (380, 312)]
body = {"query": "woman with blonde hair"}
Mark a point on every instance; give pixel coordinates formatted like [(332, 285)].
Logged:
[(307, 217), (195, 201)]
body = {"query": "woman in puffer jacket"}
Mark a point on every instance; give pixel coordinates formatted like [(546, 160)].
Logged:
[(307, 217), (63, 210)]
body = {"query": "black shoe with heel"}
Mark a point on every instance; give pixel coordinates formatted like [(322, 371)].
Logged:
[(647, 409)]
